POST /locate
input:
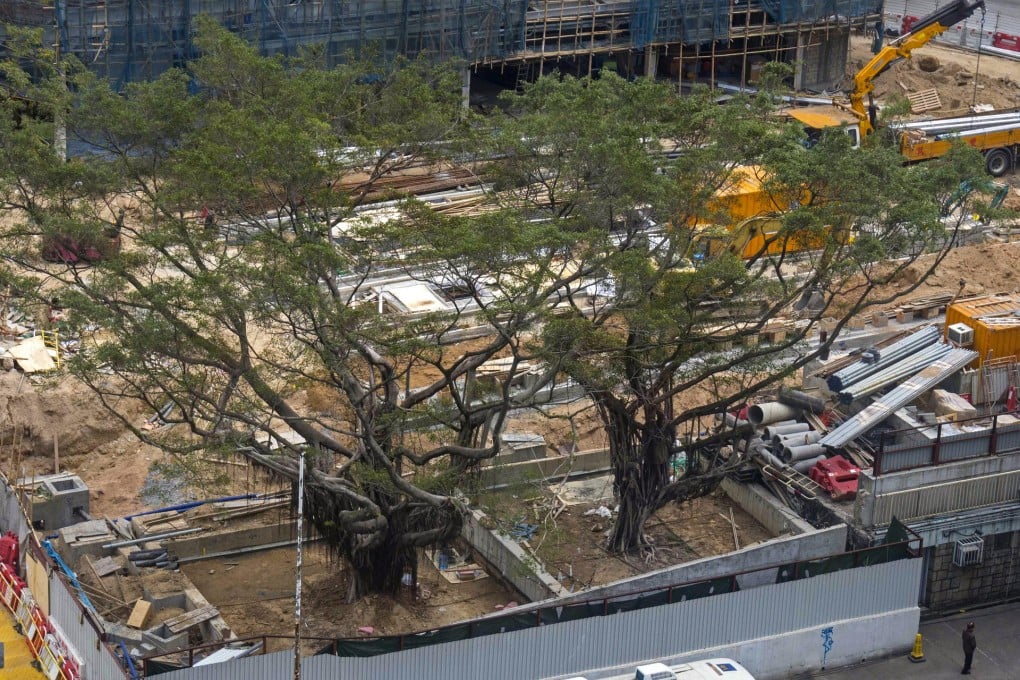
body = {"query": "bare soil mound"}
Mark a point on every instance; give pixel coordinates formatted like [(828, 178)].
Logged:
[(34, 412)]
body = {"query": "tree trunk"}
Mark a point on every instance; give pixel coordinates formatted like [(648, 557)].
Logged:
[(640, 454), (380, 569)]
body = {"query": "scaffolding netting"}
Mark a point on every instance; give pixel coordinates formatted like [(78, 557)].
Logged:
[(791, 11), (134, 40)]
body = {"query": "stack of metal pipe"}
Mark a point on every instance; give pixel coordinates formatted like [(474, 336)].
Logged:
[(859, 370)]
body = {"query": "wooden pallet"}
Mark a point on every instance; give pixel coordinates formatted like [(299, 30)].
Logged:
[(188, 619), (925, 100)]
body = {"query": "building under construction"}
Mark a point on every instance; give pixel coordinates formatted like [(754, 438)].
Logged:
[(706, 40)]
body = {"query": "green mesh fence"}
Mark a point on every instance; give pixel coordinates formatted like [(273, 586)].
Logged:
[(508, 623)]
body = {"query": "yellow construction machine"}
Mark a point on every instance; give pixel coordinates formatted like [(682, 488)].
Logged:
[(996, 134), (921, 33)]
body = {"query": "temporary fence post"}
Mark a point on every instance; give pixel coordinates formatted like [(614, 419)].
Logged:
[(994, 443), (936, 452), (879, 455)]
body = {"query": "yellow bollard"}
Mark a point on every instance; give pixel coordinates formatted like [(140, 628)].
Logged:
[(917, 654)]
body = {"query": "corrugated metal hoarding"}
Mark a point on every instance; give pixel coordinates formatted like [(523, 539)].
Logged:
[(953, 496), (98, 661), (624, 638)]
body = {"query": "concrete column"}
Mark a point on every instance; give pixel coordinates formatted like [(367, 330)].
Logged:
[(465, 87), (798, 66), (651, 61)]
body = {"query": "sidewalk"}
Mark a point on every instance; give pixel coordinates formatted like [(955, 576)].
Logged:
[(997, 656), (17, 656)]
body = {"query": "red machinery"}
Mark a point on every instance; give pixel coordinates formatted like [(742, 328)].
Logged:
[(9, 551), (837, 476)]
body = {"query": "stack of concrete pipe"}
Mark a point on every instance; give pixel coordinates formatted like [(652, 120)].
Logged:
[(784, 441), (771, 412)]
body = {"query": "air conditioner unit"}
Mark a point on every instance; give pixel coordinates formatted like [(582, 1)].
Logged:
[(969, 551), (960, 334)]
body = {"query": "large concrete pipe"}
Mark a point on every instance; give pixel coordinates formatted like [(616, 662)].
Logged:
[(750, 445), (781, 423), (771, 459), (732, 421), (771, 412), (788, 441), (776, 431), (804, 466), (799, 399), (796, 453)]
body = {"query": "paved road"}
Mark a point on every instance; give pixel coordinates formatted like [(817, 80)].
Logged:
[(997, 656)]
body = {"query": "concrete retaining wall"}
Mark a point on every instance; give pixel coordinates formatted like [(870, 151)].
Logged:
[(996, 578), (594, 460), (208, 544), (759, 503), (817, 544), (508, 559)]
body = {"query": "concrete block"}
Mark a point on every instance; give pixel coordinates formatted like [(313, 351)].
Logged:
[(165, 641), (879, 319), (56, 500), (84, 538), (517, 447)]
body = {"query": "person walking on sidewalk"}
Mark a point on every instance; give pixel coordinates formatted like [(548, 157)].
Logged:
[(969, 645)]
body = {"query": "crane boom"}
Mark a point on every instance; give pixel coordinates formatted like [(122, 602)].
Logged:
[(923, 31)]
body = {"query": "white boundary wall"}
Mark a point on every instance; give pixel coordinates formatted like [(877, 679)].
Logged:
[(775, 630)]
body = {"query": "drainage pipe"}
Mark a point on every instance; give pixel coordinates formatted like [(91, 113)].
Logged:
[(770, 412), (731, 420), (798, 453), (154, 537), (184, 507), (773, 432), (772, 459), (804, 466), (788, 441), (802, 400)]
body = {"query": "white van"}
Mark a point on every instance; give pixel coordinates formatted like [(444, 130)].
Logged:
[(707, 669)]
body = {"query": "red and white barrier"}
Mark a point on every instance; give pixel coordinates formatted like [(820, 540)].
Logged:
[(49, 649), (1005, 41)]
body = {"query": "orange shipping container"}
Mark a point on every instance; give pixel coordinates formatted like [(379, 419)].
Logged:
[(995, 320)]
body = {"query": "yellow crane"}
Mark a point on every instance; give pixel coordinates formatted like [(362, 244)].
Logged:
[(921, 33)]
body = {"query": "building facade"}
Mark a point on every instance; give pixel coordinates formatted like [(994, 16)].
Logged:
[(713, 40)]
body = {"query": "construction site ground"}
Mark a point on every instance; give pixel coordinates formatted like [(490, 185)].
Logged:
[(255, 591), (568, 537)]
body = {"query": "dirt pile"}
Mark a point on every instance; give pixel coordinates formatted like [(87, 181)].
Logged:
[(961, 78), (35, 413)]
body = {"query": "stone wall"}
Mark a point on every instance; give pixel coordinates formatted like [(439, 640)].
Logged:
[(996, 578)]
